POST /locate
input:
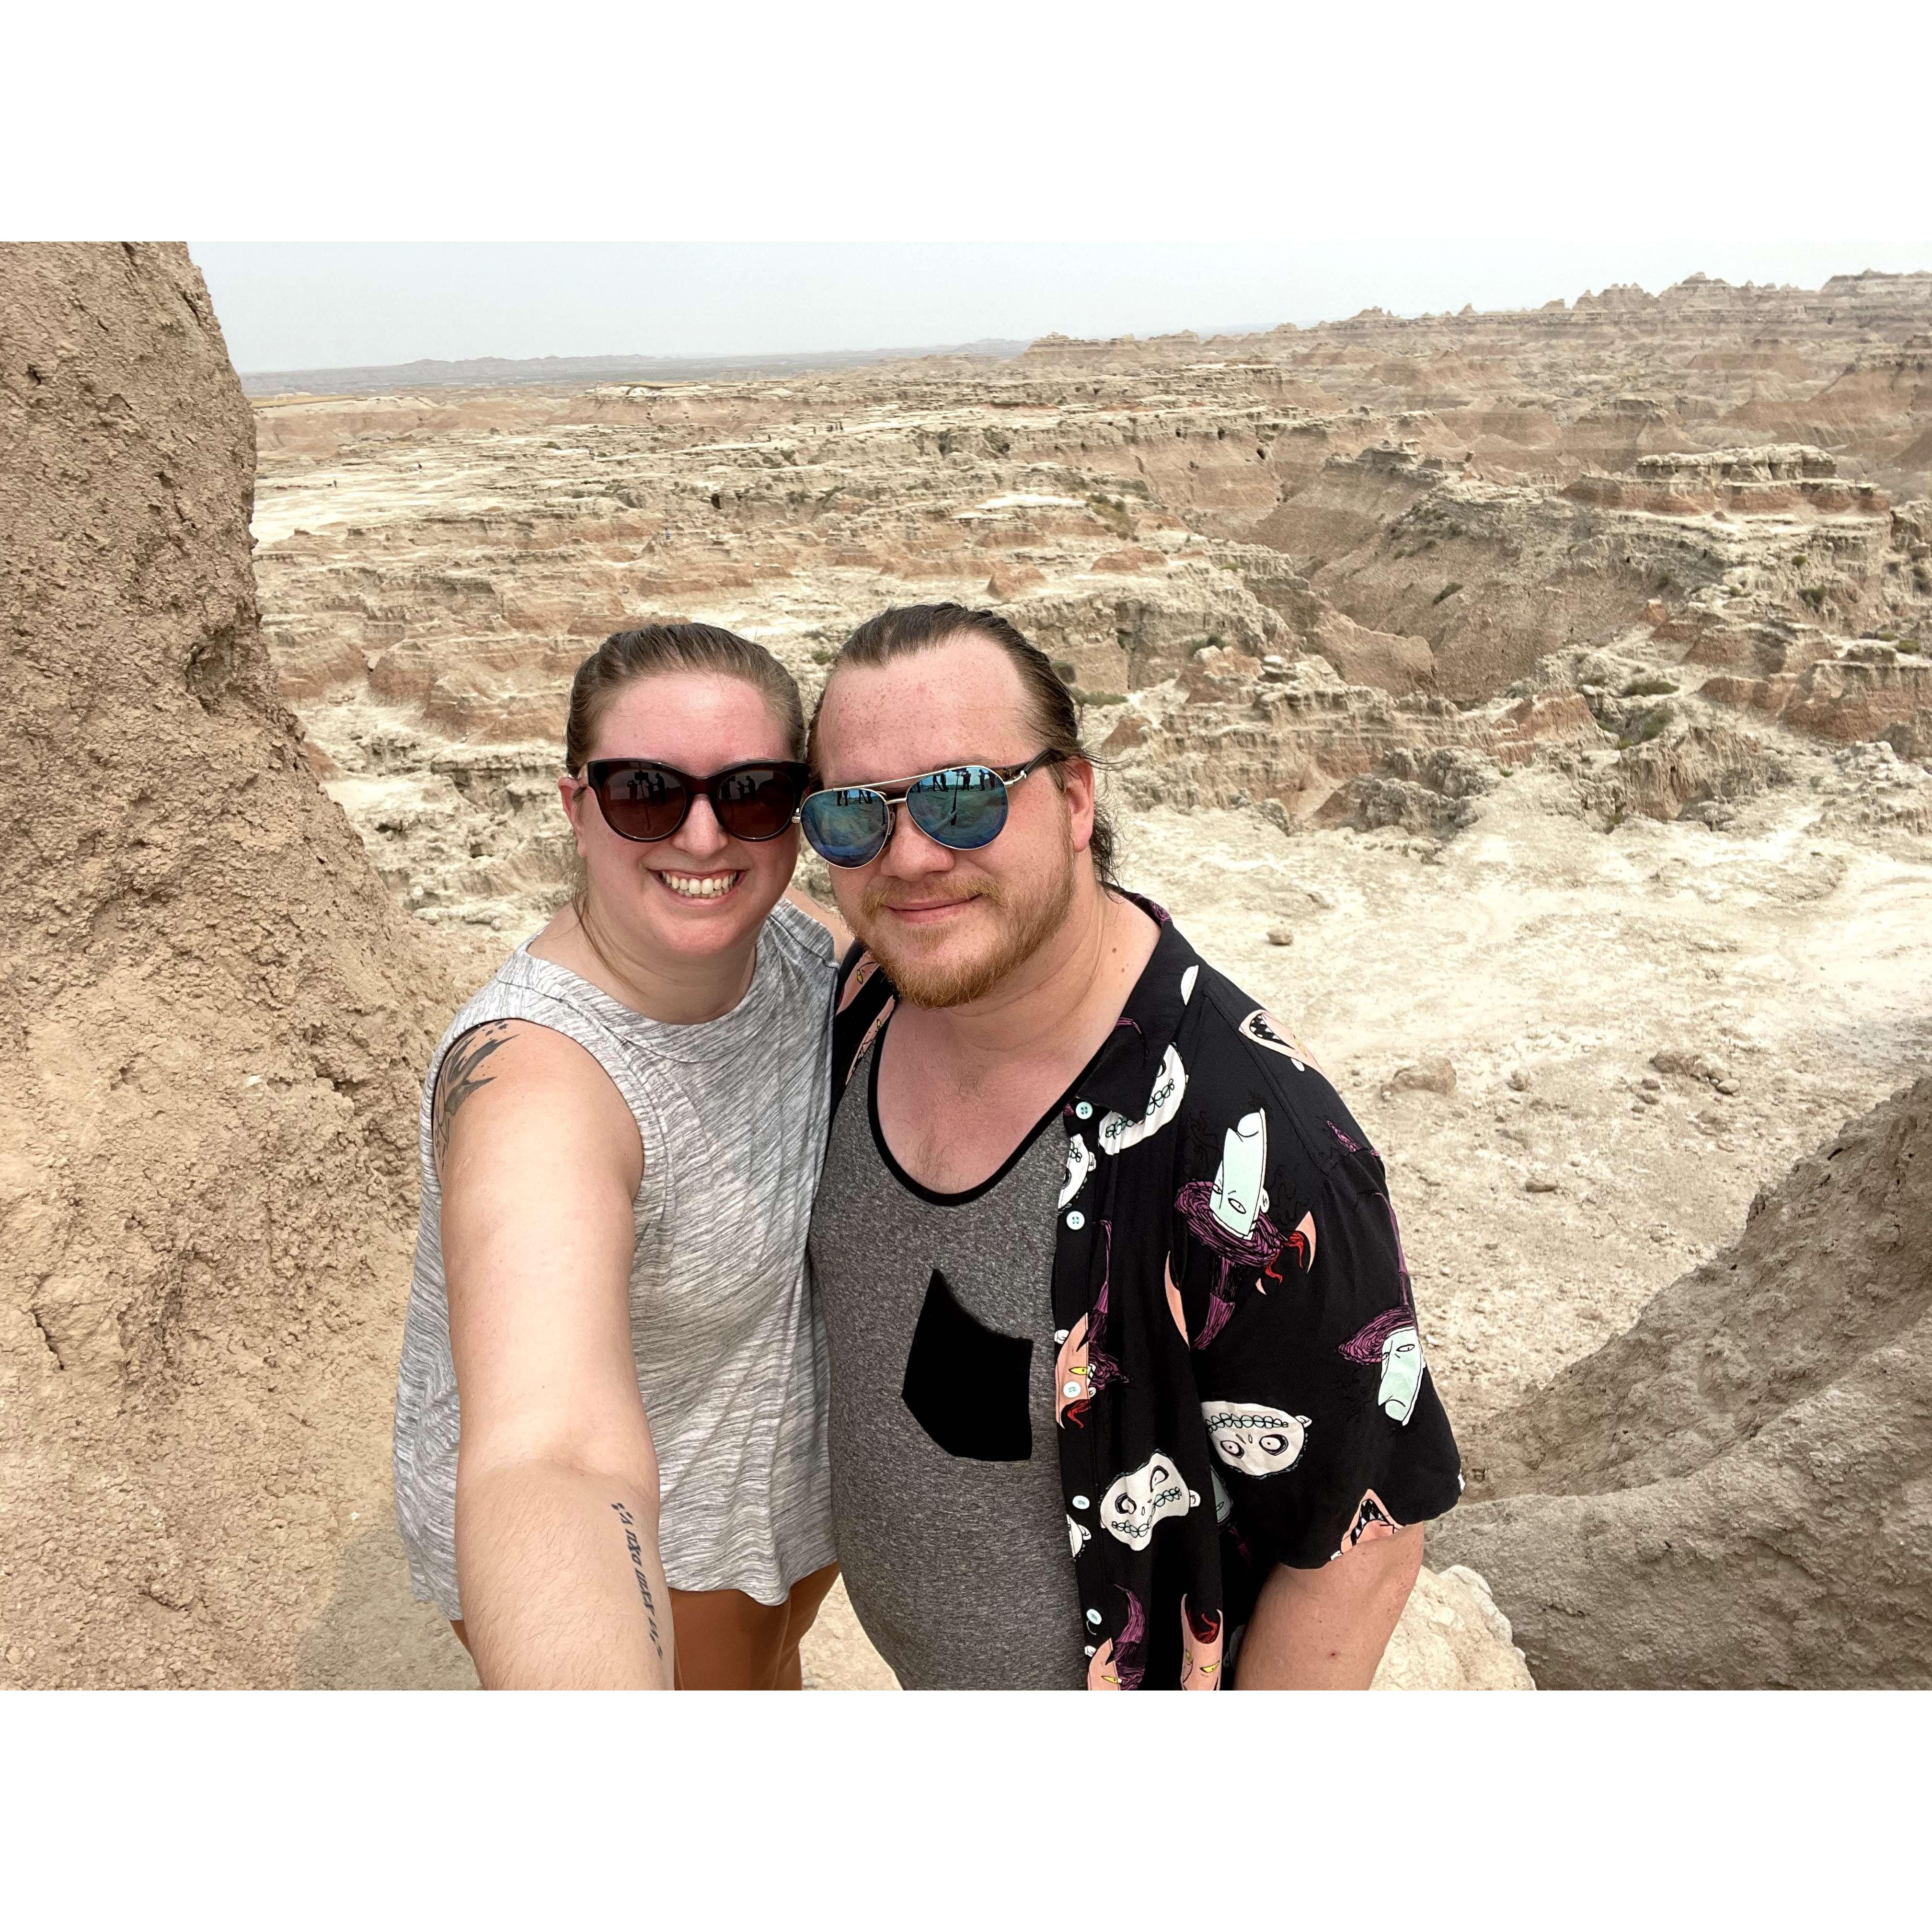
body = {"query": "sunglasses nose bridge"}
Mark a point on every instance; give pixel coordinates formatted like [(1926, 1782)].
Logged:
[(909, 850), (701, 830)]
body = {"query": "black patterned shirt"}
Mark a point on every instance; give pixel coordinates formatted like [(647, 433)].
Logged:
[(1239, 1375)]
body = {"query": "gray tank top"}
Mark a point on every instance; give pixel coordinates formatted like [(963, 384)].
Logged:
[(731, 1356), (953, 1535)]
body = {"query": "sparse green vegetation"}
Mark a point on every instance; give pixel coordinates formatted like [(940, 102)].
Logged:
[(1213, 641), (1814, 594), (1448, 591), (1099, 697), (1065, 672), (1649, 687), (824, 655)]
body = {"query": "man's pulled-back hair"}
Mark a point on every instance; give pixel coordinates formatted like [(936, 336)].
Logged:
[(1050, 707), (626, 655)]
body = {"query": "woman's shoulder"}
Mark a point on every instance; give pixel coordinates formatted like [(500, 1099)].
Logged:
[(801, 940)]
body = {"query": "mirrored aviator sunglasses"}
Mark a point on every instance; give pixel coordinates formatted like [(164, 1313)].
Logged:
[(962, 808), (645, 802)]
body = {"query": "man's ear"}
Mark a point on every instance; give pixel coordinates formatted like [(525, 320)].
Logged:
[(1077, 785)]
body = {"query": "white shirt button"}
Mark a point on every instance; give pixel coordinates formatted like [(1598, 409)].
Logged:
[(1076, 1220), (1079, 1502), (1083, 1110), (1092, 1616)]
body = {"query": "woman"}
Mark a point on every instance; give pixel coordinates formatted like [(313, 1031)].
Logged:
[(620, 1135)]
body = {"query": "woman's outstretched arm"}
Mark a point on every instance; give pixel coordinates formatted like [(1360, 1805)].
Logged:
[(556, 1481)]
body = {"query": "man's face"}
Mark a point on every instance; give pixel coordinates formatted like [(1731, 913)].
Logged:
[(948, 926)]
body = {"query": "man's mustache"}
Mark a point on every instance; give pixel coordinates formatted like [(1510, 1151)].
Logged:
[(887, 893)]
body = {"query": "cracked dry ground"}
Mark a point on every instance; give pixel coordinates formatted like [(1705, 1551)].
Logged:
[(1545, 695)]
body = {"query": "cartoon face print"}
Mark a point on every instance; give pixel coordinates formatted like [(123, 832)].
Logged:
[(1402, 1374), (1254, 1438), (1224, 1503), (1078, 1535), (1372, 1523), (1200, 1650), (1070, 1389), (1187, 980), (1117, 1131), (1135, 1501), (1262, 1027), (1080, 1162), (1391, 1344), (1239, 1198)]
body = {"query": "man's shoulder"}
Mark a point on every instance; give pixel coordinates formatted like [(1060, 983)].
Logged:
[(1240, 1055)]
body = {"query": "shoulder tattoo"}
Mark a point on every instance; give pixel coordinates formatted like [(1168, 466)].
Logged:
[(460, 1078)]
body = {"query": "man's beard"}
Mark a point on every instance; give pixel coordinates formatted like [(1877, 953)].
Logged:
[(1029, 914)]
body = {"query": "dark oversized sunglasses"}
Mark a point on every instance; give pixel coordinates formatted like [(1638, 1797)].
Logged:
[(962, 808), (645, 801)]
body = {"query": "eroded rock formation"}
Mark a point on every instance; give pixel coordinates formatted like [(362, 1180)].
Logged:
[(211, 1018), (1726, 492), (1737, 1491)]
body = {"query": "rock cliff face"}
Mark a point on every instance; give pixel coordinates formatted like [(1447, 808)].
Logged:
[(1737, 1491), (212, 1020)]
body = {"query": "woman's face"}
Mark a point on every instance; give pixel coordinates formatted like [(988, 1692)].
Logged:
[(665, 897)]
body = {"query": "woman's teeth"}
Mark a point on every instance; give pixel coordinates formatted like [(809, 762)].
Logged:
[(700, 885)]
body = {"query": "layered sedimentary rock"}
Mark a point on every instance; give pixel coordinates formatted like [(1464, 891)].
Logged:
[(1713, 480), (1737, 1491), (211, 1017)]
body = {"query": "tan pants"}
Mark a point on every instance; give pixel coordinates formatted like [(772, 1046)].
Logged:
[(725, 1640)]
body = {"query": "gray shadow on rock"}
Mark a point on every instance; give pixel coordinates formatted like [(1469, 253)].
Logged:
[(373, 1635)]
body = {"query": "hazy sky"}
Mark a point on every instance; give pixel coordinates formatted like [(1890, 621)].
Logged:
[(295, 305)]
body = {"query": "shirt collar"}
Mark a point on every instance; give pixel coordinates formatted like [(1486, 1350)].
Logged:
[(1120, 1076)]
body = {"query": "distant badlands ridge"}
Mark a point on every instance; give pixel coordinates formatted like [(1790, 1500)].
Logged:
[(1871, 300)]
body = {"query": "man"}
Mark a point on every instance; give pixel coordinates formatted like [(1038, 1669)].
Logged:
[(1125, 1369)]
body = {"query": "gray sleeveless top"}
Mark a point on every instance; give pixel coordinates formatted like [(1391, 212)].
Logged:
[(731, 1355)]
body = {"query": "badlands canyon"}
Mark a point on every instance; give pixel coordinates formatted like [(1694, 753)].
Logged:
[(1535, 709)]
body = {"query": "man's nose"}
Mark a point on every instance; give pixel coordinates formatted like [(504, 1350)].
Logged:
[(910, 854)]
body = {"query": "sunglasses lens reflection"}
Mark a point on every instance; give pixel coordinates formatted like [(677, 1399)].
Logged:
[(846, 828), (963, 808), (642, 801), (756, 802)]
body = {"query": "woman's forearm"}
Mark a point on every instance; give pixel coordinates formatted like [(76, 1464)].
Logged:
[(562, 1589)]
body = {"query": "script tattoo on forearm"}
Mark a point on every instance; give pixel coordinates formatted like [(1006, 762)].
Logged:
[(460, 1079), (636, 1550)]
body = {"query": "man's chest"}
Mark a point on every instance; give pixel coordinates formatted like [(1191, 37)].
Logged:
[(950, 1134)]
